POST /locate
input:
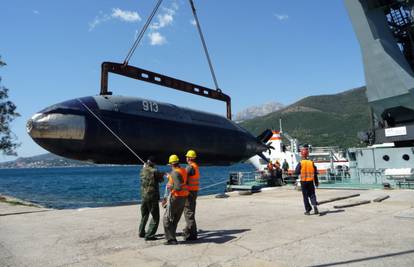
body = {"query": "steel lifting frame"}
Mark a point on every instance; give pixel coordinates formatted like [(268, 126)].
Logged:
[(159, 79)]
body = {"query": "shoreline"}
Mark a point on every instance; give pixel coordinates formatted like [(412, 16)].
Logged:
[(18, 202), (63, 167)]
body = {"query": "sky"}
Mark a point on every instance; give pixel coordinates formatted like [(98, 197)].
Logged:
[(262, 51)]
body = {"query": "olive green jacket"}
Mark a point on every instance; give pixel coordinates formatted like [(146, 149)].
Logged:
[(150, 183)]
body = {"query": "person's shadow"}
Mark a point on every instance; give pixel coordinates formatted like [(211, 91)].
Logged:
[(217, 236)]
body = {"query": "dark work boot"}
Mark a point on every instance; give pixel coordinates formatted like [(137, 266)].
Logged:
[(307, 213), (315, 209), (171, 242)]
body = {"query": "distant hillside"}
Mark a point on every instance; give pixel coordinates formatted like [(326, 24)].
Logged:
[(257, 111), (325, 120), (44, 161)]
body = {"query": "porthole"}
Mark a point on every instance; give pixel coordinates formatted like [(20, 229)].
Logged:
[(406, 157), (386, 158)]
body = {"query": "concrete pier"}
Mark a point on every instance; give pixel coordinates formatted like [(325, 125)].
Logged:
[(263, 229)]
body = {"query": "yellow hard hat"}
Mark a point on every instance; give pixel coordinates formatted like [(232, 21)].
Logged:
[(191, 154), (173, 159)]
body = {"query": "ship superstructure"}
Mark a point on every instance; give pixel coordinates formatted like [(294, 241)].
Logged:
[(385, 31)]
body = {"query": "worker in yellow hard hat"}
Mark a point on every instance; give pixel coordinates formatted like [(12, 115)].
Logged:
[(193, 173), (177, 184)]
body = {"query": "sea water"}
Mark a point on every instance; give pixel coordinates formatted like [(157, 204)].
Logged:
[(79, 187)]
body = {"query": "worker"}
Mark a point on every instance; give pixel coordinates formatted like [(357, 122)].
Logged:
[(150, 196), (277, 164), (308, 180), (177, 185), (271, 174), (278, 174), (193, 173), (285, 167), (270, 166)]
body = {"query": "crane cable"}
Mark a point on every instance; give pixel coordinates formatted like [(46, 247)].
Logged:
[(109, 129), (203, 41), (193, 9), (141, 34)]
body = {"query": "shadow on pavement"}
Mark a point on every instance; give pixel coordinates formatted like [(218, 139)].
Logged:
[(217, 236), (323, 213), (365, 259)]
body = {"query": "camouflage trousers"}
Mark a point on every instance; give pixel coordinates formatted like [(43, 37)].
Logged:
[(149, 207)]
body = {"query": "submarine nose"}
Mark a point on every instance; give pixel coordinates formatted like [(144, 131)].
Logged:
[(56, 126)]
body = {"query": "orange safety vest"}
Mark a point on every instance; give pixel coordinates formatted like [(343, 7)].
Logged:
[(183, 192), (193, 180), (307, 171)]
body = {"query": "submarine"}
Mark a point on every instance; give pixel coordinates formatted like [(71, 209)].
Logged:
[(74, 129), (113, 129)]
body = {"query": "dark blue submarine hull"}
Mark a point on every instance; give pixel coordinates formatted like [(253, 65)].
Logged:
[(149, 128)]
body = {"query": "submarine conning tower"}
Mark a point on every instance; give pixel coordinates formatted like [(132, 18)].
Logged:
[(385, 31)]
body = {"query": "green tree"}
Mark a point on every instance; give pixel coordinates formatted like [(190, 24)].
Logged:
[(8, 141)]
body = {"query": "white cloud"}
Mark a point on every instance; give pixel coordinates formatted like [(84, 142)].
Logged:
[(125, 15), (193, 22), (117, 13), (98, 20), (36, 12), (156, 38), (282, 16), (166, 18)]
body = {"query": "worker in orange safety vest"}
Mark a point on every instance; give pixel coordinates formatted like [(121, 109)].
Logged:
[(177, 185), (308, 180), (193, 172)]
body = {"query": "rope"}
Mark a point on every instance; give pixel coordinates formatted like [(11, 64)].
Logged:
[(222, 182), (141, 34), (109, 129), (204, 44)]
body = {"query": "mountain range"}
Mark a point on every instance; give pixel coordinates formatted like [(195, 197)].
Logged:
[(324, 120), (257, 111)]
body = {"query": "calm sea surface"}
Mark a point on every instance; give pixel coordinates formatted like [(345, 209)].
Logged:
[(65, 188)]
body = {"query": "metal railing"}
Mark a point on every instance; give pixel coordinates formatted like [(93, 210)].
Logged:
[(242, 178)]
